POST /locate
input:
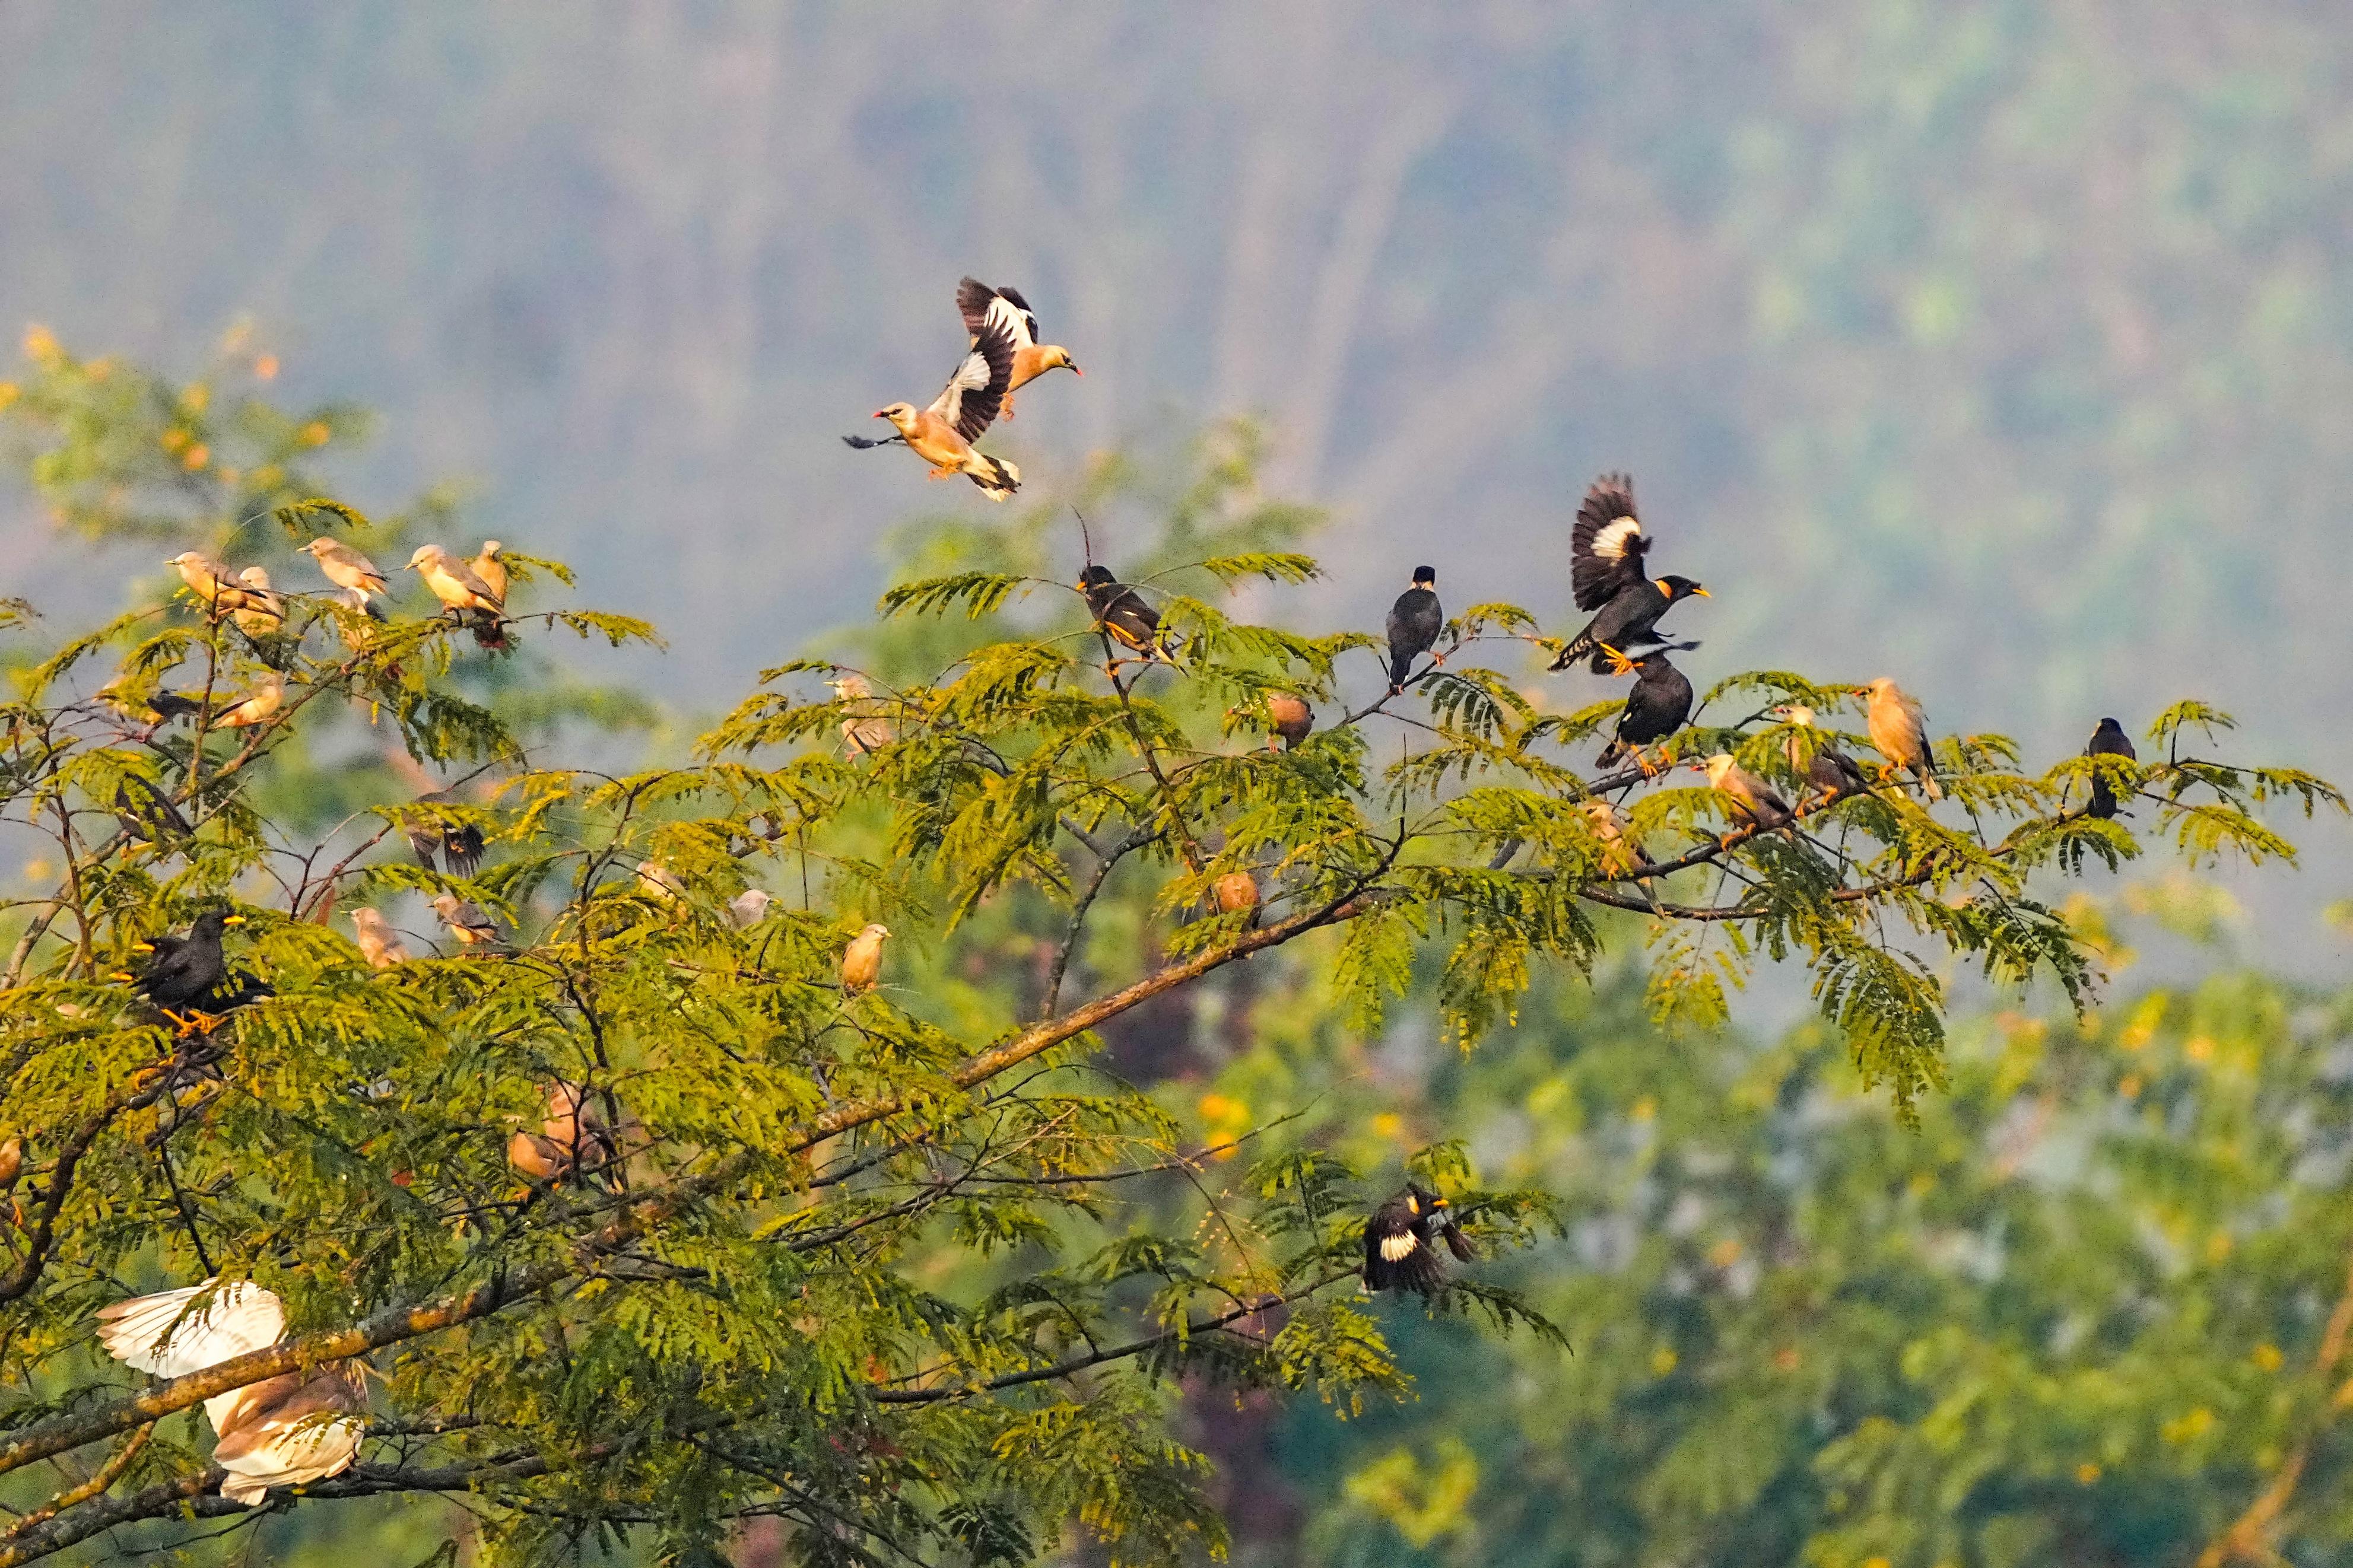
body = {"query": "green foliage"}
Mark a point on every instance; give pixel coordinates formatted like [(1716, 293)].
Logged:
[(903, 1265)]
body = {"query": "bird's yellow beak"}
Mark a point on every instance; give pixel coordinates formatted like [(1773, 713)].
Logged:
[(1702, 593), (232, 920)]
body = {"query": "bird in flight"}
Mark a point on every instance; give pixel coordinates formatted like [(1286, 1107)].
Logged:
[(985, 307), (1415, 621), (1607, 552), (943, 433), (1401, 1240)]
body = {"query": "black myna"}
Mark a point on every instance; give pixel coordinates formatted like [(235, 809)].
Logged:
[(1656, 707), (1121, 611), (1401, 1240), (2108, 741), (189, 973), (1415, 621), (1829, 770), (1606, 550)]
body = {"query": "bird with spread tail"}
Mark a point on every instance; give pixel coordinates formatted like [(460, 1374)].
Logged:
[(1401, 1240), (284, 1431), (943, 433), (1655, 709), (1415, 622), (1829, 770), (1607, 553), (460, 843), (861, 961), (1900, 731), (985, 308), (2108, 741), (1121, 612)]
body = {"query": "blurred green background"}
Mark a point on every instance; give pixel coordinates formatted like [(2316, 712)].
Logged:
[(2001, 347)]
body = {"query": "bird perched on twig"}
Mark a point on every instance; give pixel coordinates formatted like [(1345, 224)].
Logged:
[(187, 974), (1607, 553), (1900, 731), (943, 433), (460, 843), (379, 944), (148, 814), (866, 726), (463, 594), (985, 308), (491, 570), (861, 961), (1754, 802), (1829, 770), (1121, 611), (468, 924), (575, 1135), (210, 582), (255, 707), (1620, 856), (1293, 721), (1655, 709), (2108, 741), (349, 570), (1401, 1240), (749, 908), (263, 613), (1415, 621), (287, 1430)]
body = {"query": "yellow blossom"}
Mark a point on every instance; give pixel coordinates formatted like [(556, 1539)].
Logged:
[(2085, 1474), (1725, 1253), (175, 439), (314, 434), (198, 456), (196, 397), (41, 346), (2267, 1356), (1663, 1360), (2199, 1048), (1387, 1124), (7, 393), (2130, 1085), (1643, 1109)]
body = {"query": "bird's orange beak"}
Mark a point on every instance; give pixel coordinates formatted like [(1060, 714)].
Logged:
[(879, 414), (1703, 592), (1076, 371)]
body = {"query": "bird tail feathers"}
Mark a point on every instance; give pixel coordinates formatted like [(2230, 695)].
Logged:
[(1001, 479)]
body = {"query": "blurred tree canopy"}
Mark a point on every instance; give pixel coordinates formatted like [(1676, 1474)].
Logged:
[(924, 1270)]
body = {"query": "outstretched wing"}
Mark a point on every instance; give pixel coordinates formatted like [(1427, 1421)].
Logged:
[(974, 394), (171, 1334), (1606, 548), (984, 307)]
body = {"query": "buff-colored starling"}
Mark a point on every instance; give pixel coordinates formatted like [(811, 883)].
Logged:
[(1900, 731), (861, 961), (943, 433), (985, 308)]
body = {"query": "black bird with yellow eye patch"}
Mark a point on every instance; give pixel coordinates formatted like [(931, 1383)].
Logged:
[(1401, 1241), (1415, 621), (1121, 611), (2108, 741), (1607, 552)]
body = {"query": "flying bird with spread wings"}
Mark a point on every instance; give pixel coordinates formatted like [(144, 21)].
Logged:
[(1607, 552), (942, 434), (985, 307)]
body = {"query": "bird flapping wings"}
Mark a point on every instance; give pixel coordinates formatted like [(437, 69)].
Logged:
[(1607, 546), (984, 307), (976, 391), (172, 1333)]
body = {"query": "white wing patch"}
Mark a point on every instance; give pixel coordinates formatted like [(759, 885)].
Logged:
[(1394, 1247), (1002, 312), (1609, 543), (160, 1334), (972, 375)]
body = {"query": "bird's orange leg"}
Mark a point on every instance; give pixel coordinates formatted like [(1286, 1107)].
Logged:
[(947, 473), (1619, 663), (1007, 411)]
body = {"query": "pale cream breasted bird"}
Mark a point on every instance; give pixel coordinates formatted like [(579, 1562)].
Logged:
[(268, 695), (263, 612), (749, 908), (271, 1433), (463, 592), (943, 433), (1618, 856), (210, 582), (1900, 731), (1754, 802), (346, 568), (658, 881), (1826, 768), (575, 1134), (984, 307), (379, 944), (867, 727), (861, 961)]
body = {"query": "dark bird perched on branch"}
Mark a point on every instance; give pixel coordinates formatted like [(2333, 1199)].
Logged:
[(943, 434), (460, 844), (1900, 732), (1401, 1240), (1606, 550), (1121, 611), (2108, 741), (1415, 621), (147, 813), (985, 307), (1656, 707), (189, 973), (1829, 770)]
